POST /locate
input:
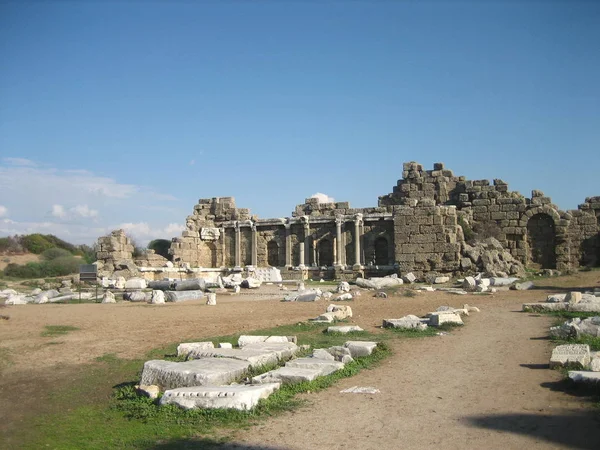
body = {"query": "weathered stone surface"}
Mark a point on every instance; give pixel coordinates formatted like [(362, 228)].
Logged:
[(407, 323), (211, 299), (571, 354), (324, 367), (441, 280), (342, 311), (242, 397), (257, 354), (321, 353), (200, 372), (225, 345), (151, 391), (137, 296), (409, 278), (438, 318), (524, 286), (196, 284), (360, 348), (183, 296), (184, 349), (469, 283), (378, 283), (343, 287), (245, 340), (595, 362), (108, 297), (309, 295), (16, 300), (344, 329), (556, 298), (540, 307), (573, 297), (585, 307), (251, 283), (163, 285), (5, 293), (502, 281), (135, 283), (157, 297), (287, 375), (344, 297), (210, 234), (579, 376)]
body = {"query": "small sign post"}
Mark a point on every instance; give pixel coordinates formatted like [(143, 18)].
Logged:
[(88, 273)]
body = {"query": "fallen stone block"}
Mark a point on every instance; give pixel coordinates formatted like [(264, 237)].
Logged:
[(502, 281), (343, 311), (162, 285), (157, 297), (195, 284), (136, 296), (151, 391), (360, 390), (251, 283), (574, 355), (556, 298), (579, 376), (344, 297), (409, 322), (378, 283), (16, 300), (541, 307), (183, 296), (328, 317), (245, 340), (471, 308), (573, 297), (225, 345), (340, 353), (359, 349), (185, 348), (584, 307), (211, 299), (242, 397), (268, 274), (526, 285), (438, 318), (200, 372), (595, 363), (287, 375), (325, 367), (344, 329), (309, 296), (257, 354), (108, 297), (409, 278), (135, 283), (321, 353), (381, 295), (343, 287), (440, 280)]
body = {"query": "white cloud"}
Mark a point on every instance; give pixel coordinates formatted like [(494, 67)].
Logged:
[(78, 205), (19, 162), (143, 233), (323, 198), (59, 211), (84, 211)]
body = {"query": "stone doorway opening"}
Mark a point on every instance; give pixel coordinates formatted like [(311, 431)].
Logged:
[(381, 251), (541, 240), (273, 254), (325, 253)]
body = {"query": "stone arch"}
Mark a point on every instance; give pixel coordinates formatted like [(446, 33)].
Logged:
[(541, 240), (325, 252), (273, 253), (381, 251)]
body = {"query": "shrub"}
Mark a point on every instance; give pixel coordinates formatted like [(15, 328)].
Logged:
[(55, 252), (161, 247), (35, 243), (63, 265)]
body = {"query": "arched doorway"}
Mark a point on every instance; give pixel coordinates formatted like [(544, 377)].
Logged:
[(381, 251), (273, 253), (541, 239), (325, 253)]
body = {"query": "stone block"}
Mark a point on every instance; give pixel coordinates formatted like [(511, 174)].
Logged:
[(135, 283), (438, 318), (184, 349), (242, 397), (182, 296), (325, 367), (245, 340), (574, 355), (407, 323), (344, 329), (171, 375), (573, 297), (579, 376), (360, 348), (257, 354), (287, 375)]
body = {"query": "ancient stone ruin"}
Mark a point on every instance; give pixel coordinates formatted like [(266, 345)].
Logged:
[(423, 226)]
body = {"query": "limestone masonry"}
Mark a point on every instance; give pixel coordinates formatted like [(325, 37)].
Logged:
[(419, 227)]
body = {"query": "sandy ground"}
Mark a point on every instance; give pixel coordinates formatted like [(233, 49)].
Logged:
[(484, 386)]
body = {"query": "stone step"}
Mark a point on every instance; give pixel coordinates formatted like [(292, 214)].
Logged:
[(324, 366), (257, 354), (243, 397), (200, 372), (287, 375)]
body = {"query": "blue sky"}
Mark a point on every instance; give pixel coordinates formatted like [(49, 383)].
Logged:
[(122, 113)]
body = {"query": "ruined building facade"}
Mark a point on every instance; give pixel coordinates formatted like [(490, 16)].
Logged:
[(419, 227)]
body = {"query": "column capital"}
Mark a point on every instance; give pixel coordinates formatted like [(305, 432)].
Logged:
[(339, 220), (358, 217)]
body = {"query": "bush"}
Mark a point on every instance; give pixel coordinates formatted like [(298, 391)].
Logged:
[(55, 252), (60, 266), (35, 243), (10, 245)]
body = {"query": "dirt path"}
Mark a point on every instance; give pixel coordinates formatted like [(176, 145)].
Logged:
[(484, 386)]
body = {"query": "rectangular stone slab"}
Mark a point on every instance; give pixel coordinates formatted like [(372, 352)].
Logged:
[(171, 375), (570, 354), (324, 366), (580, 376), (257, 354), (287, 375), (360, 348), (243, 397)]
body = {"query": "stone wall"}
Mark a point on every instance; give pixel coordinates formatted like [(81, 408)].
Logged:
[(420, 226), (114, 255)]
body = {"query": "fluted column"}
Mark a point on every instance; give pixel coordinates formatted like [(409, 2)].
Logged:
[(357, 239), (254, 245), (338, 241), (238, 263), (301, 245), (306, 260), (288, 245)]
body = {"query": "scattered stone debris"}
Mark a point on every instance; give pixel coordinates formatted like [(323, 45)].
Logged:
[(334, 312), (379, 282), (407, 323), (526, 285), (571, 355), (575, 328), (361, 390), (344, 329), (573, 301), (381, 295)]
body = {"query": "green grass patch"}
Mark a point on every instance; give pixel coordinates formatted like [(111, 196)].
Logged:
[(57, 330), (566, 315), (414, 333), (592, 341)]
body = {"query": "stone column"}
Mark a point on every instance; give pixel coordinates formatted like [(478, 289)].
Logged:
[(357, 239), (301, 265), (223, 247), (237, 246), (335, 253), (254, 244), (338, 241), (306, 260), (288, 245)]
